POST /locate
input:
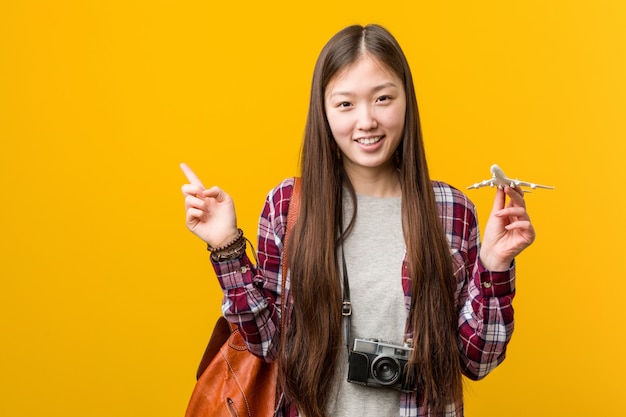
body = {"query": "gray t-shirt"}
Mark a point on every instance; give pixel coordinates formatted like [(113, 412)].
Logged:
[(374, 252)]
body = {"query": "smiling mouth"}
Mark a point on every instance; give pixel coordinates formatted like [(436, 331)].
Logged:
[(369, 141)]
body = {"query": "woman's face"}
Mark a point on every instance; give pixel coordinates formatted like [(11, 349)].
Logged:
[(365, 106)]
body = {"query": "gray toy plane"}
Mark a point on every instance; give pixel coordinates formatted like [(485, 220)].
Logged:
[(500, 180)]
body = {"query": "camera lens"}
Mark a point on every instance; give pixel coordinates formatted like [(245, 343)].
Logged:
[(385, 370)]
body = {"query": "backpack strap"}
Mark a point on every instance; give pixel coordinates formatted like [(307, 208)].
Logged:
[(292, 216)]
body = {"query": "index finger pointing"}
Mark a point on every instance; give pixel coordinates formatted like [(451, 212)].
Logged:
[(191, 176)]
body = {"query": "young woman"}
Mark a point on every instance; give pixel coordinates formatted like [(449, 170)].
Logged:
[(371, 221)]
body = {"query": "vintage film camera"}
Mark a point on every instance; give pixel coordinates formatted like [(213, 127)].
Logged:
[(379, 364)]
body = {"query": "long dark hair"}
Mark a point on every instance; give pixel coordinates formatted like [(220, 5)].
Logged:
[(310, 348)]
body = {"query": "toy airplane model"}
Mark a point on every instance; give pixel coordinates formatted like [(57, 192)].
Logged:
[(500, 180)]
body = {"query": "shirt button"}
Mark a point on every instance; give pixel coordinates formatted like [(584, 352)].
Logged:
[(244, 269), (487, 284)]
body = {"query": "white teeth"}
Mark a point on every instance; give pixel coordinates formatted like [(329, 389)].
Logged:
[(369, 141)]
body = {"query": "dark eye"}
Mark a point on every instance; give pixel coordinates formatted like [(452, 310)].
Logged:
[(344, 104), (384, 98)]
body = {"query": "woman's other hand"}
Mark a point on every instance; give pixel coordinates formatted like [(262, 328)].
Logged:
[(508, 231)]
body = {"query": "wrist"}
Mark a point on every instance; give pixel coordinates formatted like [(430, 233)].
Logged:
[(229, 239), (491, 263)]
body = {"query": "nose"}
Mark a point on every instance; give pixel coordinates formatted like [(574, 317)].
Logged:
[(366, 119)]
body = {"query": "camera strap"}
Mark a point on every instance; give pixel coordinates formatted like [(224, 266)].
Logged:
[(346, 309)]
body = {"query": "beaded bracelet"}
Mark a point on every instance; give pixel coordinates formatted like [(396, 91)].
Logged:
[(232, 250)]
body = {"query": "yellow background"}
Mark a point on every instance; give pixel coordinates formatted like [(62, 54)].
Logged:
[(107, 301)]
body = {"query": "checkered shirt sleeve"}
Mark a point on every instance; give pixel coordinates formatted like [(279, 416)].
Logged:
[(253, 293)]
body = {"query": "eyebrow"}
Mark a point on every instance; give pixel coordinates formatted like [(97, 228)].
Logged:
[(374, 90)]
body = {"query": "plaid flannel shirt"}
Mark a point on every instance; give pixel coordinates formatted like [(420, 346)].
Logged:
[(252, 293)]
